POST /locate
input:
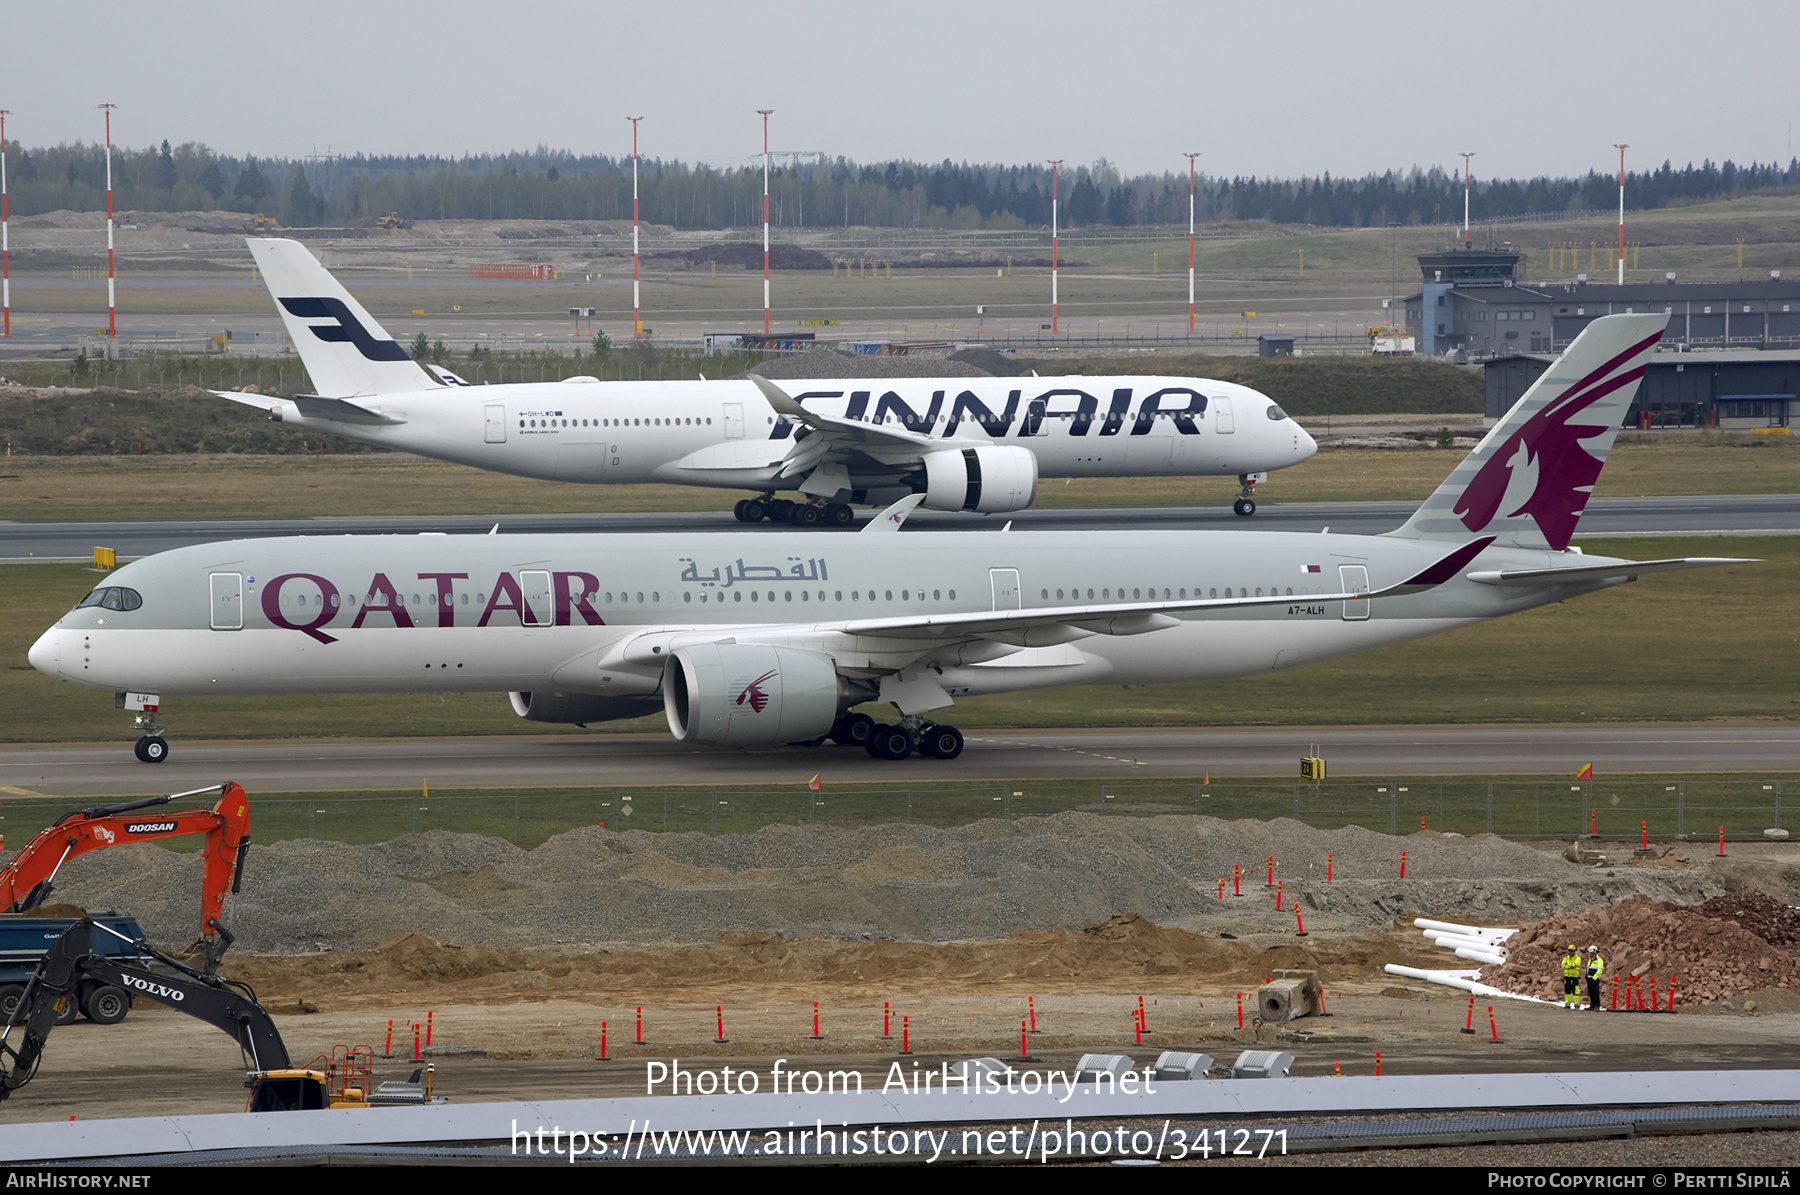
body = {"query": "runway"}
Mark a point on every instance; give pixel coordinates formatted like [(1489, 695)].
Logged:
[(1769, 514), (611, 761)]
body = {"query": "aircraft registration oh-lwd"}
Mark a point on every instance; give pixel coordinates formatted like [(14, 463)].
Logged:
[(771, 638), (974, 444)]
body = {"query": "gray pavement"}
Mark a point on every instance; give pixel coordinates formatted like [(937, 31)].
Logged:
[(1777, 514), (610, 760)]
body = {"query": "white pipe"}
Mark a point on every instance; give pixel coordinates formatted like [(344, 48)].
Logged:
[(1472, 931), (1452, 941), (1452, 981), (1480, 956)]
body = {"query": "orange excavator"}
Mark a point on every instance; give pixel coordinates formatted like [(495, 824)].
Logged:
[(26, 882)]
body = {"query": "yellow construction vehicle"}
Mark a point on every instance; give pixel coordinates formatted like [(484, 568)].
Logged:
[(393, 222), (262, 223)]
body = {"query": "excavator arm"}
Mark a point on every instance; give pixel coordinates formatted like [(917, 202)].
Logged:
[(27, 881), (227, 1005)]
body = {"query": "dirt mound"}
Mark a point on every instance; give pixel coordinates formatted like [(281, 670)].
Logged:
[(1709, 957), (1761, 914), (749, 255)]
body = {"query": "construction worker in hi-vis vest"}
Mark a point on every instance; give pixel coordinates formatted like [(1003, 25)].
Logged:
[(1596, 968), (1571, 968)]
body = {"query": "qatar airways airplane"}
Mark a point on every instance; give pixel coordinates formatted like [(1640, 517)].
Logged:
[(766, 639), (975, 444)]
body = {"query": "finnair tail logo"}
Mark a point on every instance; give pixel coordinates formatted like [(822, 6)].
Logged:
[(347, 328), (753, 694)]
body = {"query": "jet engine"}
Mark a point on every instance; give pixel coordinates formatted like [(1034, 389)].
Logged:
[(579, 708), (734, 694), (987, 478)]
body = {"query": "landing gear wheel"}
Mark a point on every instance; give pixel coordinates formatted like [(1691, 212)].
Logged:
[(779, 510), (1244, 506), (738, 511), (889, 742), (807, 515), (839, 515), (752, 510), (107, 1005), (941, 742), (152, 748), (853, 730)]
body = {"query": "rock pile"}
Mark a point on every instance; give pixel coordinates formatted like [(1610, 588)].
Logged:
[(1709, 957)]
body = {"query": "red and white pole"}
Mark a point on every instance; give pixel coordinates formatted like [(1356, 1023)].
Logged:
[(5, 246), (1053, 165), (1190, 159), (1465, 158), (112, 323), (1622, 149), (764, 113), (637, 316)]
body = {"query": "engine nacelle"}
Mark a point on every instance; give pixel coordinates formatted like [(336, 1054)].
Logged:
[(986, 478), (579, 708), (735, 694)]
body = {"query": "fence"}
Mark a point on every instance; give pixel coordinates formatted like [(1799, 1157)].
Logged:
[(1513, 808)]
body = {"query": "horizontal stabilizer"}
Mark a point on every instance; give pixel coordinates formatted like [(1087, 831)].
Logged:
[(1628, 569), (339, 411)]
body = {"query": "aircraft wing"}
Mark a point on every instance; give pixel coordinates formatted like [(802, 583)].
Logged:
[(827, 437)]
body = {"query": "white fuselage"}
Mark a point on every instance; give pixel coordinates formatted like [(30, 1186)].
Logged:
[(725, 434), (596, 614)]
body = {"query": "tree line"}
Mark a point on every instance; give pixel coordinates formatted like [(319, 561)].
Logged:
[(546, 184)]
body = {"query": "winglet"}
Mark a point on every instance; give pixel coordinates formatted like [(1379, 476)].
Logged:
[(1446, 568), (891, 518), (781, 400)]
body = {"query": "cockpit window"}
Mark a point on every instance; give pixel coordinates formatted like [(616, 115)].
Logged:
[(1276, 413), (112, 597)]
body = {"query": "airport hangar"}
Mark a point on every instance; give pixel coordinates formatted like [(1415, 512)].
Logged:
[(1745, 378)]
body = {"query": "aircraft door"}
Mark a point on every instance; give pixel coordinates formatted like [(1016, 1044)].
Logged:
[(494, 426), (1006, 587), (734, 421), (1354, 578), (228, 601), (1227, 424), (539, 609)]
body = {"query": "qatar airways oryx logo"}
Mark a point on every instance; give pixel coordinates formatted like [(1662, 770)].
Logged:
[(1546, 469), (153, 989), (753, 694)]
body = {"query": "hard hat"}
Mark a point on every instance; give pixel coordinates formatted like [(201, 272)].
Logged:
[(1593, 950)]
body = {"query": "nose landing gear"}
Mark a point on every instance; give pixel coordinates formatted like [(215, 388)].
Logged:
[(1246, 499), (151, 747)]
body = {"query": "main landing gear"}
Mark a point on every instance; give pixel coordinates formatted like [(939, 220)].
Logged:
[(800, 514), (1246, 499), (914, 734)]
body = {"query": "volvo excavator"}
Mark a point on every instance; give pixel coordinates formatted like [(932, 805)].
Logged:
[(338, 1080)]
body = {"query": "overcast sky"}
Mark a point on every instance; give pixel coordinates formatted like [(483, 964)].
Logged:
[(1281, 89)]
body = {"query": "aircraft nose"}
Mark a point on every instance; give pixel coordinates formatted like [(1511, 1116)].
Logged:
[(1304, 445), (46, 652)]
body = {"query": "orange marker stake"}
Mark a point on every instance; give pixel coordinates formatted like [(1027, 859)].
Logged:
[(1721, 842), (816, 1034), (1137, 1025), (640, 1024), (415, 1056), (1493, 1026), (1271, 882), (387, 1051), (1236, 878), (1022, 1054), (428, 1027), (1328, 867), (1221, 887), (1671, 1006), (1299, 925), (1240, 1010), (1469, 1024), (1277, 896), (1421, 821), (1031, 1008), (1593, 823), (1142, 1022), (603, 1041), (885, 1013), (1322, 1011), (720, 1011), (905, 1037), (1403, 865), (1378, 1064), (1337, 1070), (1645, 826)]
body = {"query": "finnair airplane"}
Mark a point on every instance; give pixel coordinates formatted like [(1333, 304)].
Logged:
[(975, 444), (773, 638)]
